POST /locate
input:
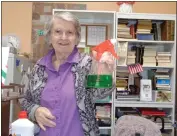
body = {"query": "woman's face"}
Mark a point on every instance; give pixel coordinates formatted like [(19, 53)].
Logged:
[(63, 36)]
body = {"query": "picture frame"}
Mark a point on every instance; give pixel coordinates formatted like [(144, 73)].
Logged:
[(95, 34)]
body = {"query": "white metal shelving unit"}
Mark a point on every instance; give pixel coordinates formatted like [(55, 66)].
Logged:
[(98, 17), (171, 45)]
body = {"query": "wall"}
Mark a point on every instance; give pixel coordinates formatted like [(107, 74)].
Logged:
[(139, 7), (17, 16)]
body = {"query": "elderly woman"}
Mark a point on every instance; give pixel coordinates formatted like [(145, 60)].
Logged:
[(56, 98)]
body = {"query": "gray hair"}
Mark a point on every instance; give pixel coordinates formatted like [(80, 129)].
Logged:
[(67, 16)]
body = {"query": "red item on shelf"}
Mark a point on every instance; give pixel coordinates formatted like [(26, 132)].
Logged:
[(153, 113)]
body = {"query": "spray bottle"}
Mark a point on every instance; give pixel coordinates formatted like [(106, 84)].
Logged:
[(100, 75)]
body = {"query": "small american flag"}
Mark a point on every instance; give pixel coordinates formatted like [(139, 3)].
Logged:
[(135, 68)]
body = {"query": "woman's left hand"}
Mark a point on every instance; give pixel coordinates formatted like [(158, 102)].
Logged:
[(106, 58)]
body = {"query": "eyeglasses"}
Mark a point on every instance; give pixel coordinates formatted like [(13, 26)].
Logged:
[(60, 33)]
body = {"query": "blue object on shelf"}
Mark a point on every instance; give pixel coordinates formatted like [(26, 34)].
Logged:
[(131, 22), (17, 62), (145, 36), (175, 125), (163, 81)]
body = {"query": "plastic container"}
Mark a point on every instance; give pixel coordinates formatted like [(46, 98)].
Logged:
[(22, 126), (100, 75), (126, 8)]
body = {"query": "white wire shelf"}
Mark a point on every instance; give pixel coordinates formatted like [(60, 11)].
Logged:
[(143, 104), (152, 67), (104, 127), (145, 41)]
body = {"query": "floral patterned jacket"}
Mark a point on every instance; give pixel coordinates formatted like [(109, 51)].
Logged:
[(85, 97)]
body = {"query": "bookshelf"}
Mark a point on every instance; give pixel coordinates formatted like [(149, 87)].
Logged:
[(161, 44)]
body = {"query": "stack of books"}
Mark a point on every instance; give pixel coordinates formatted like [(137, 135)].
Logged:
[(162, 78), (123, 31), (168, 30), (149, 58), (122, 86), (103, 111), (103, 115), (131, 57), (164, 58), (156, 29), (162, 84), (122, 83), (144, 30)]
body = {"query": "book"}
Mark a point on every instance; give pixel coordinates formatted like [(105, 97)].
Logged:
[(143, 36), (151, 53), (163, 81), (149, 63), (165, 30), (132, 31), (154, 31), (164, 70), (161, 76), (163, 57), (131, 53), (165, 64), (149, 60), (161, 61), (153, 113)]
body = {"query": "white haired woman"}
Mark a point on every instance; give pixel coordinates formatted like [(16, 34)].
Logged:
[(56, 98)]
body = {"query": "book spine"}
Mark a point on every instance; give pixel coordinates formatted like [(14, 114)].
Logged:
[(163, 81)]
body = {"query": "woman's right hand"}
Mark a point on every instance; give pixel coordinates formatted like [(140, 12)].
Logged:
[(44, 118)]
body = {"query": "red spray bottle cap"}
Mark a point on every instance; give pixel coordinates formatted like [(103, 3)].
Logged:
[(22, 114), (105, 46)]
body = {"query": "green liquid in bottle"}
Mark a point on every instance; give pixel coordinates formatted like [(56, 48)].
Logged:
[(99, 81)]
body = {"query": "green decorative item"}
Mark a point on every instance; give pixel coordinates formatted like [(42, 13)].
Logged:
[(40, 32), (87, 50)]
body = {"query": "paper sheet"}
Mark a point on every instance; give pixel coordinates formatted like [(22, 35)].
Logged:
[(5, 56), (96, 35)]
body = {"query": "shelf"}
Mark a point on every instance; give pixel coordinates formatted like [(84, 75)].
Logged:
[(158, 67), (150, 67), (145, 41), (150, 16), (143, 104), (103, 102), (104, 127), (166, 127)]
